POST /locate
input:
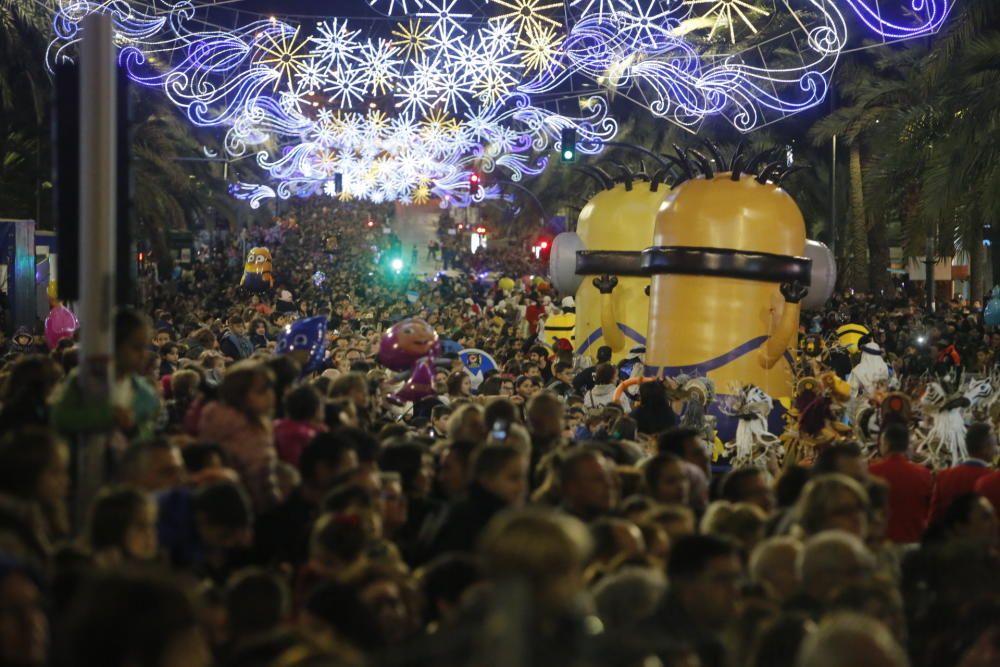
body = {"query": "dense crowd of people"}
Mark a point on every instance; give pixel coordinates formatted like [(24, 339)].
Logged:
[(257, 515)]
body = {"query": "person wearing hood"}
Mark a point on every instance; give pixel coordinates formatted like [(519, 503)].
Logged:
[(870, 371), (22, 342), (603, 392)]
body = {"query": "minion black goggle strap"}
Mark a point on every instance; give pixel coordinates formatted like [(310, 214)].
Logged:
[(726, 263), (612, 262)]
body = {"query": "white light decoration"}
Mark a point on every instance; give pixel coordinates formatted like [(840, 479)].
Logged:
[(446, 20), (405, 105)]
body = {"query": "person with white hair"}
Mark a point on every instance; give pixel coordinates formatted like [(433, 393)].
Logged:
[(629, 596), (773, 564), (829, 562)]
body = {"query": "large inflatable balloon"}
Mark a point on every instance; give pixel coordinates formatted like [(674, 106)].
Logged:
[(411, 345), (257, 272), (728, 272), (305, 340), (59, 325), (991, 314), (599, 265)]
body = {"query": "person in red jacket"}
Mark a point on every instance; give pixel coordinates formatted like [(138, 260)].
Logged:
[(910, 486), (981, 443), (988, 486)]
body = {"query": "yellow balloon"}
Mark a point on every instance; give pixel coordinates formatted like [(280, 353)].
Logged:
[(716, 305), (53, 289), (506, 284), (615, 220), (850, 335)]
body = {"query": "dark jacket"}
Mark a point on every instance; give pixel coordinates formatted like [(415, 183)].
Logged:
[(236, 347), (670, 626), (281, 535), (651, 419), (463, 521)]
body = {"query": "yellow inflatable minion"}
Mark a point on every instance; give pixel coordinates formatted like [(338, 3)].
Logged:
[(257, 272), (600, 262), (849, 336), (561, 326), (727, 273)]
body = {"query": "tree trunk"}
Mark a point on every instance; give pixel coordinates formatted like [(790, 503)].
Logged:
[(878, 263), (857, 261), (993, 234)]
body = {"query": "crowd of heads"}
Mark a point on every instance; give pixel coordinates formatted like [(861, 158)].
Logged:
[(223, 507)]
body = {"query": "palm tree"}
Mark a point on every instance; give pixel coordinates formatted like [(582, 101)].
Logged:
[(934, 166), (871, 88)]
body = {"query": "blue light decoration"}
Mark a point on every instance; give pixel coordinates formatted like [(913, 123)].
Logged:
[(406, 106)]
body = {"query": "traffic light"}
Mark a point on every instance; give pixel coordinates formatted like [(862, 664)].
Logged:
[(475, 182), (541, 248), (568, 144)]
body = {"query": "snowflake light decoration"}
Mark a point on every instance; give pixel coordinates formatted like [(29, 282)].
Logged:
[(379, 65), (412, 39), (336, 45), (541, 48), (725, 11), (528, 15), (283, 53)]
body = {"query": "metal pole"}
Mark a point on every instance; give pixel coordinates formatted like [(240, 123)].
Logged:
[(929, 274), (833, 197), (98, 177)]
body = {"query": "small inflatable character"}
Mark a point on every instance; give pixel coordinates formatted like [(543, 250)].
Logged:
[(411, 345), (257, 272), (305, 340), (477, 363), (60, 324)]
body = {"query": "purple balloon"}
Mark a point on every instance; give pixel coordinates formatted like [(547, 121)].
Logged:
[(420, 384), (407, 342), (59, 325)]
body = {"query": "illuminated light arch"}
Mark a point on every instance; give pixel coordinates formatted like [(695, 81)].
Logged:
[(469, 85)]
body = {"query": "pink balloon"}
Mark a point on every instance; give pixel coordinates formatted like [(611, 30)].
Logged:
[(60, 324)]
